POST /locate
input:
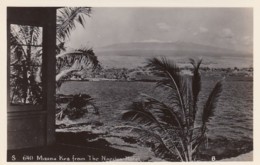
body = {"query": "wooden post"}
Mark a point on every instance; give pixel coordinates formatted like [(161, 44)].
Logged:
[(49, 66)]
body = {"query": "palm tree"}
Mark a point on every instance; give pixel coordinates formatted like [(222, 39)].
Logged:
[(71, 60), (173, 125), (26, 52)]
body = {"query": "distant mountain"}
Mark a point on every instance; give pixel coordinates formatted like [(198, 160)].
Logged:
[(135, 54), (167, 46)]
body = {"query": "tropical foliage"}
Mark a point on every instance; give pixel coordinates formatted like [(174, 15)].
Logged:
[(25, 61), (74, 106), (173, 126), (69, 60), (26, 56)]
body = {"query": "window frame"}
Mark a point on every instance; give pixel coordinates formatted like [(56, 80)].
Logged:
[(25, 107)]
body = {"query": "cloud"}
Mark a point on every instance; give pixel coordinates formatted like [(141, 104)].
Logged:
[(163, 26), (152, 40), (247, 40), (203, 30), (195, 33), (227, 33), (200, 30)]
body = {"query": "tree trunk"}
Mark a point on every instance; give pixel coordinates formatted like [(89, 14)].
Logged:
[(189, 152)]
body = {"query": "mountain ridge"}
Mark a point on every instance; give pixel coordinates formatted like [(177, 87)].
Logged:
[(167, 46), (131, 55)]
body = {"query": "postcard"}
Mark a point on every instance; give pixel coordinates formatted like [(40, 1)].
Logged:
[(130, 83)]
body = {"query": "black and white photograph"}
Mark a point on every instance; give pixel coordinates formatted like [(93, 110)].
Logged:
[(129, 84)]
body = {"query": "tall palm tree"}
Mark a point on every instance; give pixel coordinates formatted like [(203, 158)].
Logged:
[(173, 125), (25, 61)]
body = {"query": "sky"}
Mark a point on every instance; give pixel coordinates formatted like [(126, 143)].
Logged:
[(230, 28)]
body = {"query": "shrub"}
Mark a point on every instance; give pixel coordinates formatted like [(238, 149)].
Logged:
[(75, 106)]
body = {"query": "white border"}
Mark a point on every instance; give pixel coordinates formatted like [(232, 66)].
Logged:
[(128, 3)]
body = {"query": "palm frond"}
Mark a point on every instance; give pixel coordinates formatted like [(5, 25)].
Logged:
[(28, 35), (14, 39), (188, 101), (60, 47), (196, 79), (17, 55), (167, 70), (161, 144), (89, 57), (162, 112), (25, 35), (67, 18), (211, 103), (170, 76), (140, 116), (35, 35), (22, 32), (157, 117), (196, 84), (85, 57)]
